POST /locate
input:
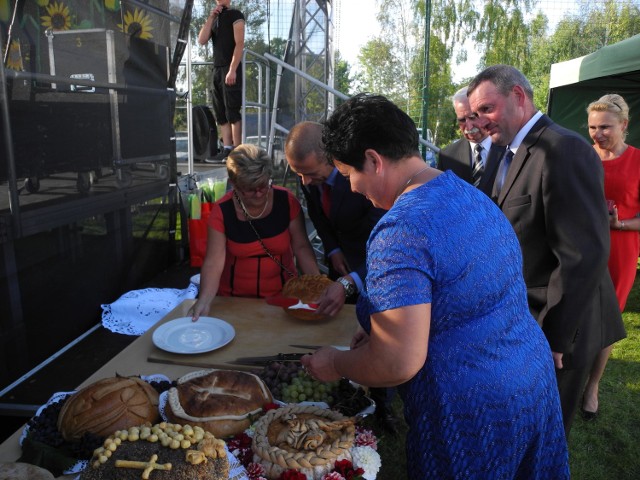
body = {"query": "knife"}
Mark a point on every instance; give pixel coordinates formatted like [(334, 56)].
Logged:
[(280, 357), (290, 302), (317, 347)]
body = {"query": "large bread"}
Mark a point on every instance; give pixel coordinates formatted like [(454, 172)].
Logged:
[(220, 401), (182, 452), (307, 288), (108, 405), (22, 471)]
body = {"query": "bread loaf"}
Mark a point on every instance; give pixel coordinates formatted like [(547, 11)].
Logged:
[(220, 401), (307, 288), (22, 471), (108, 405)]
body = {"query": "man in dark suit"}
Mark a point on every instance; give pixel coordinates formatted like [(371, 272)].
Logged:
[(342, 218), (473, 158), (551, 190)]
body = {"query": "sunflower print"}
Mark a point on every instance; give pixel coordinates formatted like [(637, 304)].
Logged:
[(137, 24), (14, 59), (42, 3), (59, 17)]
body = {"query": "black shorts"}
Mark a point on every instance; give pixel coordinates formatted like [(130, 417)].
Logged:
[(227, 99)]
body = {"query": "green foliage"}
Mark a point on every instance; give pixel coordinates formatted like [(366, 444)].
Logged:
[(342, 76), (380, 69), (577, 35)]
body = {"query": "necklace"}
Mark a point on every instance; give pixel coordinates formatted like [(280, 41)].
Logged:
[(244, 209), (411, 178)]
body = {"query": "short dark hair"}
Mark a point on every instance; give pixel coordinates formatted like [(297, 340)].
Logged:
[(504, 77), (369, 121)]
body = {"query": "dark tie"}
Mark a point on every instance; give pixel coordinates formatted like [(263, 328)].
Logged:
[(503, 169), (326, 199), (478, 167)]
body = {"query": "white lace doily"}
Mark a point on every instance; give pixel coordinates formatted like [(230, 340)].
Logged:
[(138, 310)]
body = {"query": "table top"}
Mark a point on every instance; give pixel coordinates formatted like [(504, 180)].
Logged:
[(261, 329)]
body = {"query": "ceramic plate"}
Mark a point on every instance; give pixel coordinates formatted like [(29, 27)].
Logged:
[(196, 280), (184, 336)]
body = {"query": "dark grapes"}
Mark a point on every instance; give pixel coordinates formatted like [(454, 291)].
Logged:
[(161, 385), (43, 428), (289, 383)]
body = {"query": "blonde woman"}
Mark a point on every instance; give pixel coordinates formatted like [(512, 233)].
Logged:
[(255, 233), (608, 122)]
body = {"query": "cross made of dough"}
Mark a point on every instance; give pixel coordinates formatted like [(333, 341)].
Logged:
[(147, 467), (212, 390)]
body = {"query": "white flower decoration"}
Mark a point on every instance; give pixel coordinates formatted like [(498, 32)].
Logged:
[(367, 459)]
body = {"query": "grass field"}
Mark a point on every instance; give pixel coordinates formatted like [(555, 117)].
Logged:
[(604, 449)]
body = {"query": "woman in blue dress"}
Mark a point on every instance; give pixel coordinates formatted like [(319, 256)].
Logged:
[(444, 314)]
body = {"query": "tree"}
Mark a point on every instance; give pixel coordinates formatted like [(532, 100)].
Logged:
[(342, 76), (380, 69), (577, 35)]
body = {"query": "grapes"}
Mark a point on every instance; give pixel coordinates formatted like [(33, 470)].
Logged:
[(161, 386), (43, 428), (289, 383)]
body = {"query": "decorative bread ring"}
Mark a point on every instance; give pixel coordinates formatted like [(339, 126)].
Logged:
[(280, 436)]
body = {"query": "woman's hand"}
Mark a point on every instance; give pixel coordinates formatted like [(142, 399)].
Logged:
[(320, 364), (201, 307), (613, 218)]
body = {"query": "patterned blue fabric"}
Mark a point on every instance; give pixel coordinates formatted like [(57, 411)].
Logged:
[(485, 404)]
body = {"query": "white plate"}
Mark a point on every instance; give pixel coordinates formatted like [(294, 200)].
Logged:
[(195, 280), (184, 336)]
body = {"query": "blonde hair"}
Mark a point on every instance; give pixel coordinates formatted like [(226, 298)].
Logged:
[(249, 166), (612, 103)]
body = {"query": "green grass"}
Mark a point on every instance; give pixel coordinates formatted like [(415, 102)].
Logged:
[(607, 448)]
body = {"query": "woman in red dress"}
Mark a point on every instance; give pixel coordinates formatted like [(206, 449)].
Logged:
[(254, 233), (608, 122)]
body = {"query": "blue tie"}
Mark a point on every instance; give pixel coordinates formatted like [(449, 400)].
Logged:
[(504, 168)]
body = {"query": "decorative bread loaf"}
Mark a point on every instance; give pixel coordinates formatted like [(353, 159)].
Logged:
[(159, 452), (306, 438), (108, 405), (220, 401), (307, 288), (21, 471)]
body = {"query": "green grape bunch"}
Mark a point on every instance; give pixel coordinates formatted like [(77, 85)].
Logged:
[(290, 383)]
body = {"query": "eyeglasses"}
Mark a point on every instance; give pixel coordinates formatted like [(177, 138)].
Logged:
[(255, 190)]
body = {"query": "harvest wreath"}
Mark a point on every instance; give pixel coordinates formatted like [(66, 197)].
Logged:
[(306, 442)]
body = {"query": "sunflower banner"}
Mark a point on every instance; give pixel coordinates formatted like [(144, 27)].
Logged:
[(38, 20), (66, 54)]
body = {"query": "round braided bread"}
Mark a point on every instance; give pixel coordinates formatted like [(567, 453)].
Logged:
[(313, 463)]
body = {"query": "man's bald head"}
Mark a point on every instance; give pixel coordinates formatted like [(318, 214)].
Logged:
[(305, 154)]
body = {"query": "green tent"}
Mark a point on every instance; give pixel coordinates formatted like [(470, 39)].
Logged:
[(576, 83)]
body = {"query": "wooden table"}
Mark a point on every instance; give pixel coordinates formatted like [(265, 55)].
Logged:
[(260, 329)]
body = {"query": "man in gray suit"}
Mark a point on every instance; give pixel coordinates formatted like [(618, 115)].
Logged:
[(550, 186), (473, 158)]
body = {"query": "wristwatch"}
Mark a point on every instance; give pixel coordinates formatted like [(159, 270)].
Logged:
[(349, 288)]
